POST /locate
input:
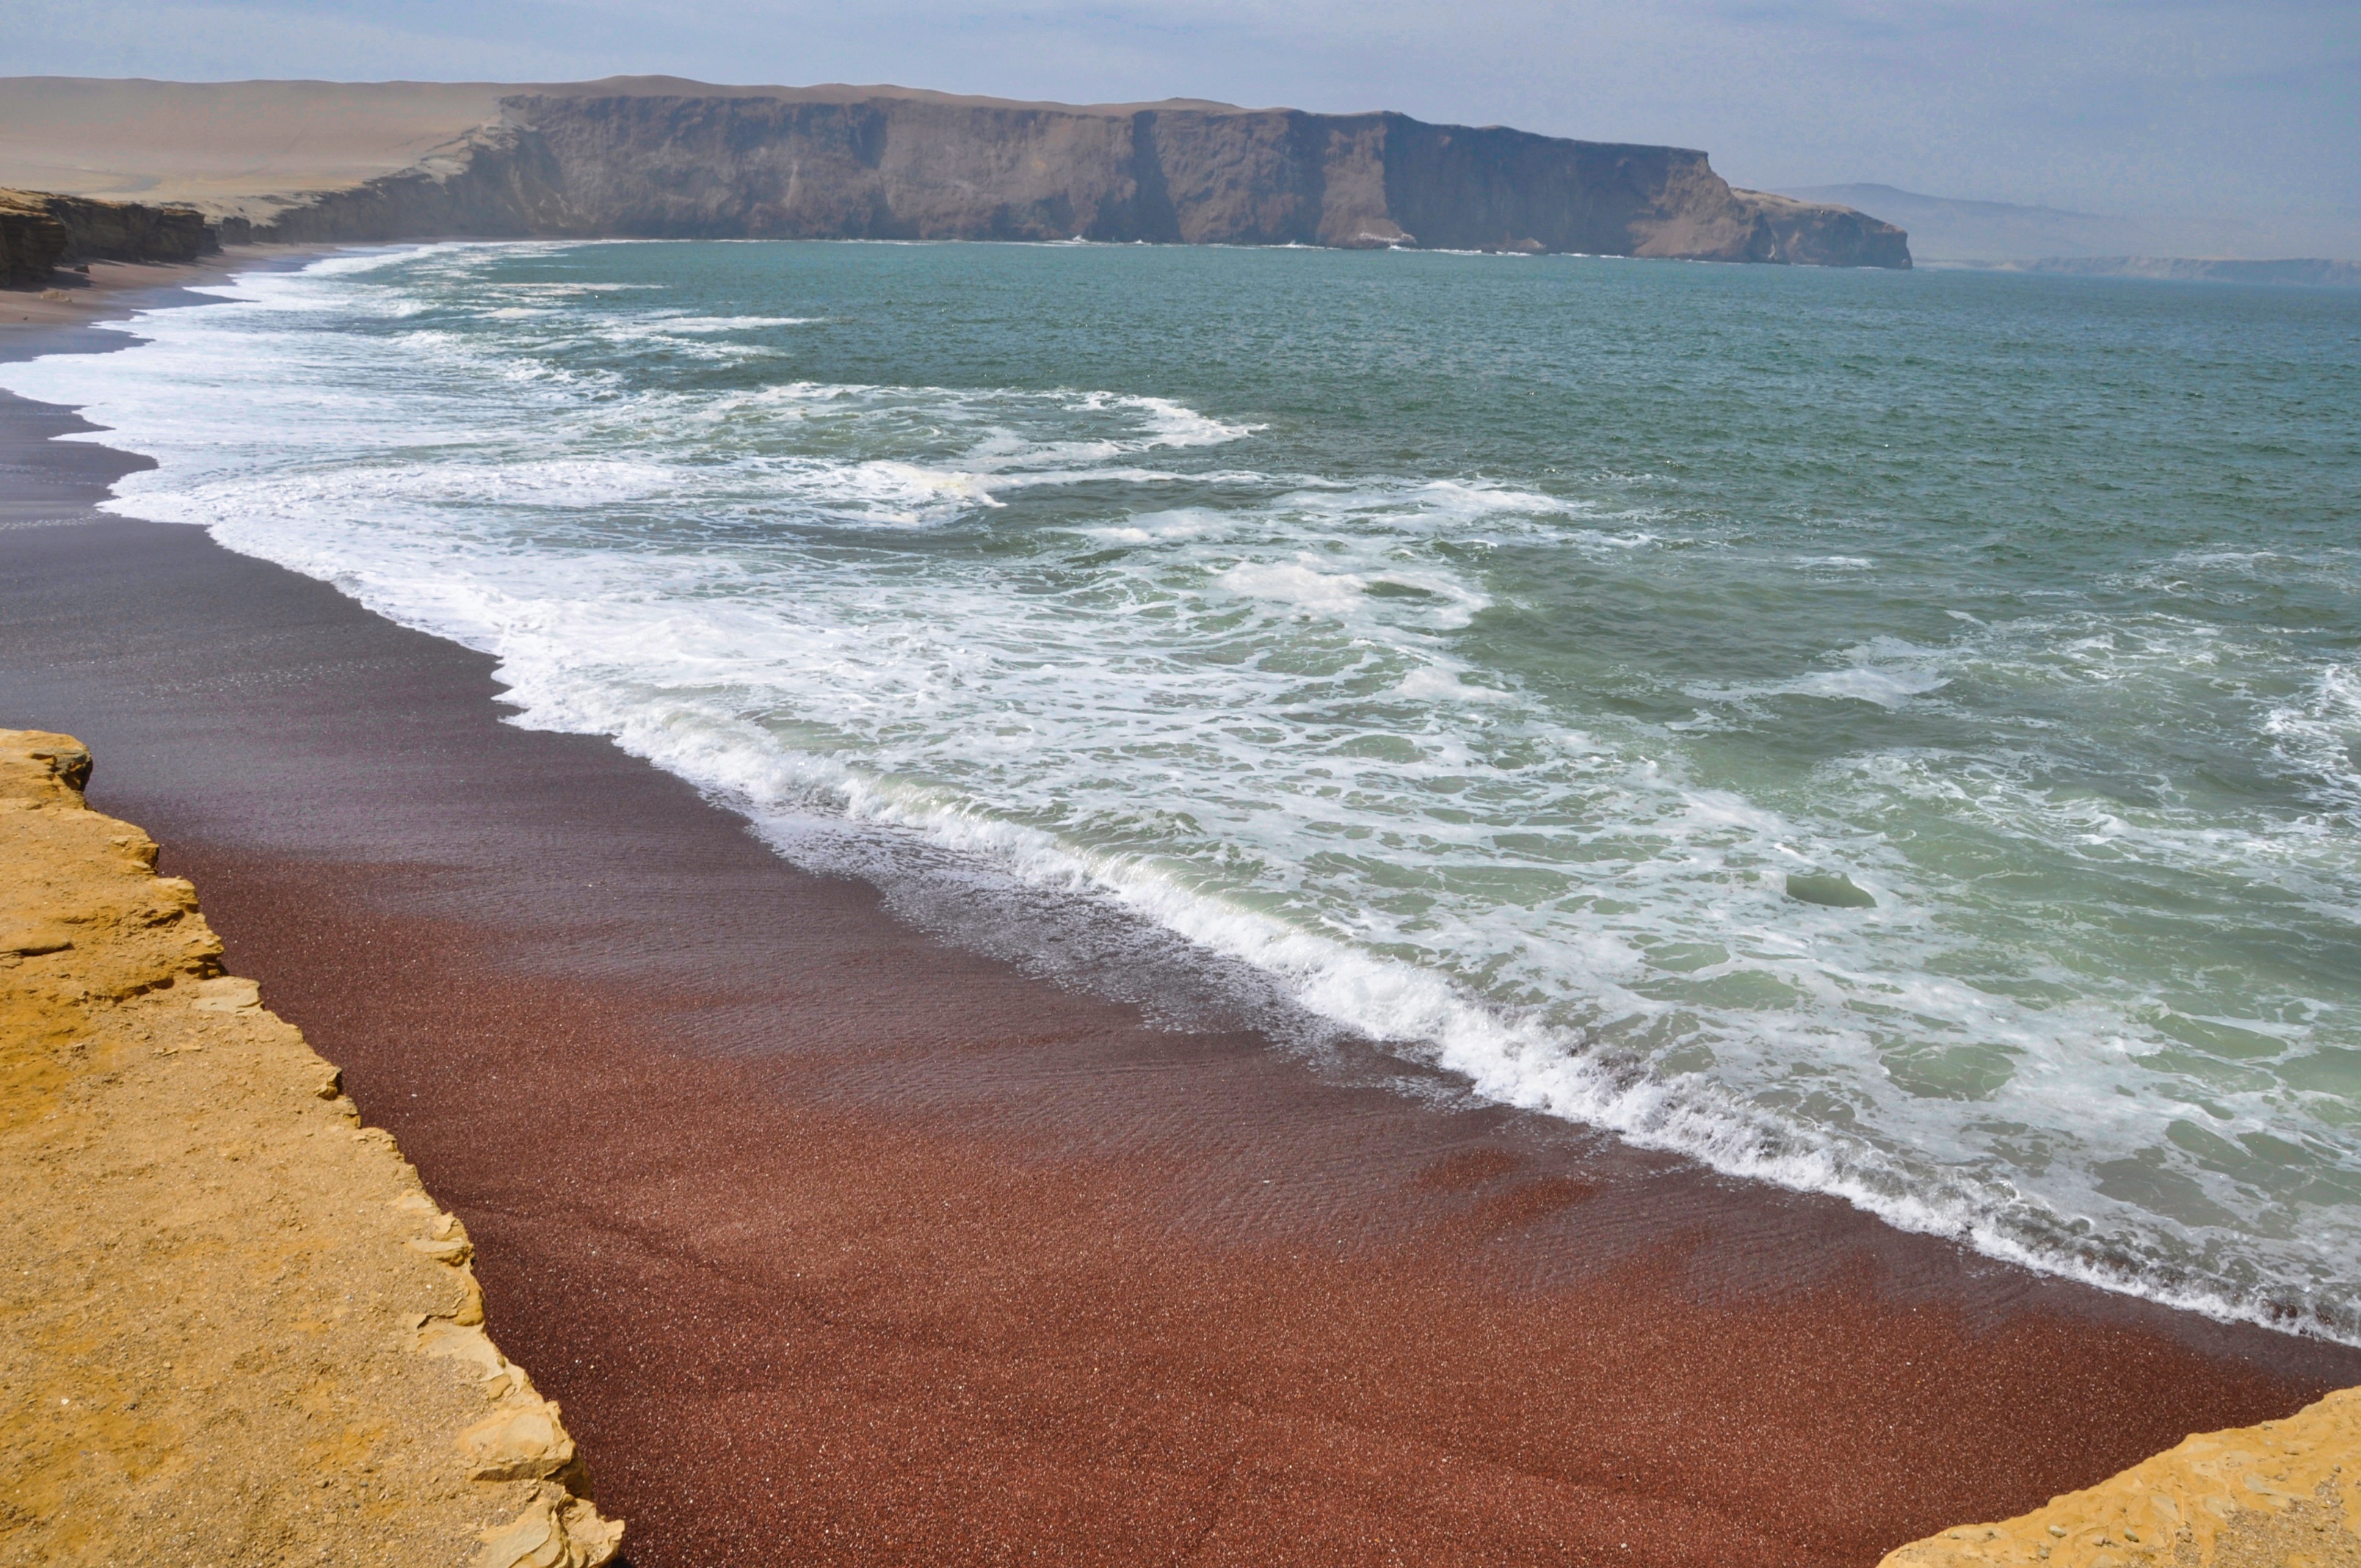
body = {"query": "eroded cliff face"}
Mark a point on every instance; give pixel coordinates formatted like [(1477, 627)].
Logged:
[(819, 165), (901, 169), (40, 231), (32, 242), (234, 1327)]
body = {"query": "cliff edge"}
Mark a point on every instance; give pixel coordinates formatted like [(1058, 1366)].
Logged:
[(826, 165), (2278, 1494), (42, 231), (233, 1327)]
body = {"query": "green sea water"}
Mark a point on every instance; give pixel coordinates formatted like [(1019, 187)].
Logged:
[(1891, 734)]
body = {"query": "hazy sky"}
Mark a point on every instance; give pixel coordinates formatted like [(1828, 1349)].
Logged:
[(2249, 109)]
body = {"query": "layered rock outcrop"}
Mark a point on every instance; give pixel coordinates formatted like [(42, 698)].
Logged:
[(233, 1327), (928, 168), (131, 231), (664, 160), (40, 231), (32, 242)]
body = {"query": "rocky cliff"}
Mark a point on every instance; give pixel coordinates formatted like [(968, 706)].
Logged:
[(131, 231), (234, 1327), (40, 231), (666, 160), (32, 242)]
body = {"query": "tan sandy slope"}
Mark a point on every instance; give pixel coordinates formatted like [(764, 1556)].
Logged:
[(225, 146), (218, 145), (234, 1329)]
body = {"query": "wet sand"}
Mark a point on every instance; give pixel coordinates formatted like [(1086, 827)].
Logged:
[(839, 1242)]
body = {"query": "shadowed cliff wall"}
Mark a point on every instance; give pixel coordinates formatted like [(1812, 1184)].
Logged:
[(39, 232), (902, 169), (31, 242)]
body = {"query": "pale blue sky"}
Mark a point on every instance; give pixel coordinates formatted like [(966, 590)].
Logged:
[(2247, 111)]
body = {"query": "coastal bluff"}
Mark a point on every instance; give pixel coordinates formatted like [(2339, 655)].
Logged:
[(236, 1329), (664, 157), (40, 232)]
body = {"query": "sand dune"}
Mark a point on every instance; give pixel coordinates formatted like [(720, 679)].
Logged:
[(221, 143)]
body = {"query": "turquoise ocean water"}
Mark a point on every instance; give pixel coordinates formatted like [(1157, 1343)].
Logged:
[(1484, 651)]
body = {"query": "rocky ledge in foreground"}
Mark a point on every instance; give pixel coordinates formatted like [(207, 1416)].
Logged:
[(235, 1327)]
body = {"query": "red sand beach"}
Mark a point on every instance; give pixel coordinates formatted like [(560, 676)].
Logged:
[(841, 1243)]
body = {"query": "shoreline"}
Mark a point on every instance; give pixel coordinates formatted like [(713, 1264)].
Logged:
[(48, 480), (1197, 1291), (112, 291)]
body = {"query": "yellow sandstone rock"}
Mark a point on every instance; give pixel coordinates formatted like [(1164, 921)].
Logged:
[(522, 1442), (2282, 1495), (558, 1531), (234, 1328)]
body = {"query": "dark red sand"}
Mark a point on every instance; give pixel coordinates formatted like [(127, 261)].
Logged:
[(842, 1245)]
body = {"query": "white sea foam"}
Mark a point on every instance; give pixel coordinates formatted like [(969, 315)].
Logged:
[(1165, 528), (2319, 736), (1433, 683), (1886, 672), (1864, 683), (1298, 582), (684, 323)]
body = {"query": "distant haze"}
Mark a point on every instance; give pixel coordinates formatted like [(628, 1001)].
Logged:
[(1946, 230), (2215, 127)]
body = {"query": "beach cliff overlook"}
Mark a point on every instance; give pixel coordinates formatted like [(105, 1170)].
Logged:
[(660, 156), (239, 1327)]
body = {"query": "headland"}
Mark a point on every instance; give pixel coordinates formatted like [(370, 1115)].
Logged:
[(660, 156)]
